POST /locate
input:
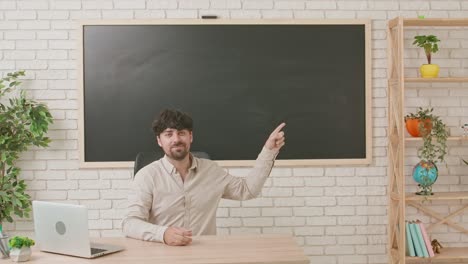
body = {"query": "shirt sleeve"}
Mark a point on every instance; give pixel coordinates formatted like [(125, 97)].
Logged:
[(135, 223), (245, 188)]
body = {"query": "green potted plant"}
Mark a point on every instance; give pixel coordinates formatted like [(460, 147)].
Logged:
[(434, 134), (23, 122), (20, 248), (429, 44)]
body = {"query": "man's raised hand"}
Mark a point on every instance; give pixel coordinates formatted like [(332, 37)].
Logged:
[(276, 139)]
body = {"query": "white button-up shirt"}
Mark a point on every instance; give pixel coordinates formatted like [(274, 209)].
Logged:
[(160, 199)]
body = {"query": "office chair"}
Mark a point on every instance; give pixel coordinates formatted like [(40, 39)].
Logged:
[(144, 158)]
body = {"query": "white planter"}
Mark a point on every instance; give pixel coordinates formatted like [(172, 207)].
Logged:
[(20, 254)]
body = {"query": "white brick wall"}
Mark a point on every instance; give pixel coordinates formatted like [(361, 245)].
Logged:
[(337, 214)]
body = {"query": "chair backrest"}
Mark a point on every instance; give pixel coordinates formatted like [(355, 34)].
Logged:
[(144, 158)]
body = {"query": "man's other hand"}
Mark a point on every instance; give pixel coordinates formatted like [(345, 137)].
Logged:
[(276, 139), (177, 236)]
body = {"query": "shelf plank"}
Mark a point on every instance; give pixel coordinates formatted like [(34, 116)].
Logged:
[(435, 22), (437, 80), (419, 139), (437, 196), (446, 253)]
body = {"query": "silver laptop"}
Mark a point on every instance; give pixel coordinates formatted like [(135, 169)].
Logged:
[(63, 228)]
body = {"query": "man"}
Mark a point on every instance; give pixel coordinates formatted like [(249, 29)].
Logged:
[(178, 195)]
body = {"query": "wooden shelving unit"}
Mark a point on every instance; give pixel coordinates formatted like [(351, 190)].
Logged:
[(398, 197)]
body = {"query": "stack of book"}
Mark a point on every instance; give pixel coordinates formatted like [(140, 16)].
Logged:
[(417, 240)]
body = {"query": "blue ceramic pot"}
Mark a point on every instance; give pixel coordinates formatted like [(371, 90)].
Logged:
[(425, 174)]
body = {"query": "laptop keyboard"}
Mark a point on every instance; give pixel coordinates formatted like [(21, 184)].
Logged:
[(97, 250)]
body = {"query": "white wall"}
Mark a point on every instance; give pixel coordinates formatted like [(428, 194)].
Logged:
[(338, 214)]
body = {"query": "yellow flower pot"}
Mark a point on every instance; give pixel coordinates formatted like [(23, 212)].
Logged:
[(429, 70)]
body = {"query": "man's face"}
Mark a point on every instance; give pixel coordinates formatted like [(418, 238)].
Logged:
[(175, 143)]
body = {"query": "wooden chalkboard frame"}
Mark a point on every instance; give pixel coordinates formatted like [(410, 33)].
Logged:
[(235, 163)]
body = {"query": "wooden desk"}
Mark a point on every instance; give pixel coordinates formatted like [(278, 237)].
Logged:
[(277, 249)]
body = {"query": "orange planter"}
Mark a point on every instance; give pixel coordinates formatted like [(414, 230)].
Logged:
[(412, 125)]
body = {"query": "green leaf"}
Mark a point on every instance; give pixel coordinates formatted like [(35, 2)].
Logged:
[(428, 43)]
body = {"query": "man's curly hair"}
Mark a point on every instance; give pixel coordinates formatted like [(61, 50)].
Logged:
[(170, 118)]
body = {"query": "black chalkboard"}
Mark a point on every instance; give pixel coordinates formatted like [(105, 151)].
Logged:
[(237, 81)]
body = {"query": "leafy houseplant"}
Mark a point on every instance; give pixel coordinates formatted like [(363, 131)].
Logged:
[(431, 128), (20, 248), (23, 122), (429, 44)]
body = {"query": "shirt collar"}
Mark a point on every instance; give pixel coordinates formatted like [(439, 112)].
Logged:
[(171, 169), (194, 162)]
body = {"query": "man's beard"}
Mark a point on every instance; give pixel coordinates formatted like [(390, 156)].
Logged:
[(178, 154)]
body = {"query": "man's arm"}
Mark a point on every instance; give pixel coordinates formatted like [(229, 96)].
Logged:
[(135, 223), (240, 188)]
